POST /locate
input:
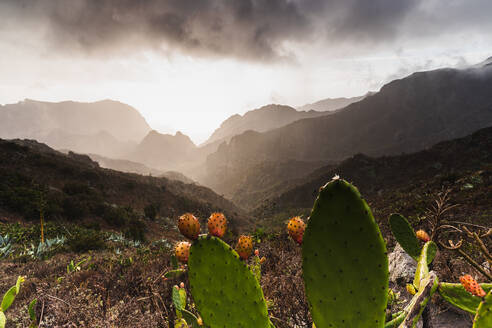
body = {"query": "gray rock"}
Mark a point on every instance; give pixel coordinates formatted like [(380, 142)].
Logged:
[(401, 266)]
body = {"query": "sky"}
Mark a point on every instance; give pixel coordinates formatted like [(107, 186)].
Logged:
[(188, 65)]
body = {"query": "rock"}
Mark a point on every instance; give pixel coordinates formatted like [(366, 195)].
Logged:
[(401, 266)]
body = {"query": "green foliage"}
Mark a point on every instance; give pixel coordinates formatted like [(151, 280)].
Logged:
[(458, 296), (46, 249), (483, 317), (428, 286), (174, 274), (84, 240), (422, 270), (32, 313), (345, 267), (404, 235), (152, 210), (135, 229), (8, 299), (72, 266), (225, 291), (5, 246)]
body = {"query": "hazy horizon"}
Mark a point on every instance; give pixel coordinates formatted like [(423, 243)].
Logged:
[(188, 67)]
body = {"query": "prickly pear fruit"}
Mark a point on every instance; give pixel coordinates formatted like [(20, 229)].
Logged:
[(296, 229), (472, 286), (411, 289), (189, 226), (244, 247), (182, 251), (217, 224), (422, 235)]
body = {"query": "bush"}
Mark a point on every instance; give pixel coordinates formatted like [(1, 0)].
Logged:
[(135, 230), (73, 208), (115, 216), (152, 210), (86, 240)]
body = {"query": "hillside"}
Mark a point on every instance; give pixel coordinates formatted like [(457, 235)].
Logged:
[(78, 190), (404, 183), (407, 115), (260, 120), (331, 104), (105, 127)]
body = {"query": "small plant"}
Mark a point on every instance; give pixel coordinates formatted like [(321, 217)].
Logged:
[(184, 318), (5, 246), (72, 267), (8, 299), (32, 314)]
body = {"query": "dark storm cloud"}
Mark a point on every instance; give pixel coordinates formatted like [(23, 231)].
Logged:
[(246, 29)]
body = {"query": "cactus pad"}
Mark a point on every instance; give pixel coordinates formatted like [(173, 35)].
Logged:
[(429, 250), (483, 318), (225, 291), (344, 260), (404, 235), (458, 296)]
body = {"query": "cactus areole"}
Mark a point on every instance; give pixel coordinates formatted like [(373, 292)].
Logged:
[(345, 267)]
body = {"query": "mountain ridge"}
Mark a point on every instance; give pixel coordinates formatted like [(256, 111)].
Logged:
[(406, 115)]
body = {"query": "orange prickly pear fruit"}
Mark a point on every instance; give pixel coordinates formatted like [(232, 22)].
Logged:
[(189, 226), (244, 247), (472, 286), (217, 224), (296, 227), (182, 251), (422, 235)]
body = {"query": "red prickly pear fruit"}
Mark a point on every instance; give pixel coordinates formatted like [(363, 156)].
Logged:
[(472, 286), (296, 227), (244, 247), (182, 251), (182, 285), (257, 252), (422, 235), (189, 226), (217, 224)]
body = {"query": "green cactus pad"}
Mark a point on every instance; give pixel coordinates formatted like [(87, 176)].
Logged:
[(483, 318), (458, 296), (404, 235), (344, 260), (422, 271), (225, 291)]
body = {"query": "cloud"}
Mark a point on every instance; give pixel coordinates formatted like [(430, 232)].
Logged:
[(256, 30)]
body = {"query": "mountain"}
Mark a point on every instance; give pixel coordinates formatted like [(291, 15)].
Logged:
[(105, 127), (124, 165), (406, 115), (331, 104), (164, 151), (405, 182), (261, 119), (78, 189)]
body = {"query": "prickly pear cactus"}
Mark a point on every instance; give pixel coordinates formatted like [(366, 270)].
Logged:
[(404, 235), (344, 260), (225, 291), (457, 295), (429, 250), (483, 318)]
